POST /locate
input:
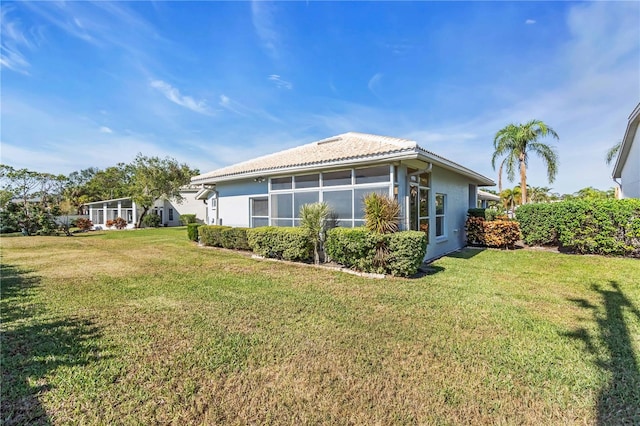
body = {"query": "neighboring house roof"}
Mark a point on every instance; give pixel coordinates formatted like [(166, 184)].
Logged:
[(484, 195), (345, 149), (106, 201), (629, 136)]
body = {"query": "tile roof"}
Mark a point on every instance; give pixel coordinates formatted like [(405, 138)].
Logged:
[(336, 149)]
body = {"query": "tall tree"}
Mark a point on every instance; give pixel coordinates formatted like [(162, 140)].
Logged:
[(515, 142), (153, 178)]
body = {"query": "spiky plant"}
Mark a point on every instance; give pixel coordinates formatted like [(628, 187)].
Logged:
[(313, 218), (381, 213)]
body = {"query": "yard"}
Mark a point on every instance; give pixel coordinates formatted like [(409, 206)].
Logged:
[(144, 327)]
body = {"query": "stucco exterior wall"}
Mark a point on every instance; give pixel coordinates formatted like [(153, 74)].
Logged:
[(631, 170), (456, 189), (233, 201), (189, 205)]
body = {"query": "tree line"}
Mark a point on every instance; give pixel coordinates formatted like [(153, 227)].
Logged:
[(30, 200)]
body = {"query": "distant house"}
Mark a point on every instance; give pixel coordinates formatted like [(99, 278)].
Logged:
[(484, 198), (434, 192), (168, 210), (627, 167)]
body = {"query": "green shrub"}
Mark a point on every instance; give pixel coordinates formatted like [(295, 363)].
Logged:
[(352, 247), (486, 214), (151, 220), (476, 212), (280, 243), (607, 227), (186, 219), (406, 252), (357, 248), (192, 231), (211, 235), (235, 238), (537, 223)]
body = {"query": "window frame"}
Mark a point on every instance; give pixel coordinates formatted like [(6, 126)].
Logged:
[(441, 216)]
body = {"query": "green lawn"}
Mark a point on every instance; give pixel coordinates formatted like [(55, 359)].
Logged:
[(144, 327)]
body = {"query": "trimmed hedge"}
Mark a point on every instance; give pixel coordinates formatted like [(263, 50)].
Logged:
[(192, 231), (487, 214), (492, 233), (352, 247), (186, 219), (211, 235), (606, 227), (406, 252), (235, 238), (356, 248), (280, 243)]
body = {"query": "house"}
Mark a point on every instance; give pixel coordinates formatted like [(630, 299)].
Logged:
[(434, 193), (485, 198), (627, 166), (168, 210)]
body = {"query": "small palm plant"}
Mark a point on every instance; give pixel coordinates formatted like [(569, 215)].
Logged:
[(382, 216), (315, 218), (381, 213)]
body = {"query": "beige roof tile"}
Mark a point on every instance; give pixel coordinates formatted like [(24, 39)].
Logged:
[(346, 146)]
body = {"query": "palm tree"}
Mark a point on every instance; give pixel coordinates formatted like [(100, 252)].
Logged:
[(511, 197), (539, 194), (613, 152), (515, 142)]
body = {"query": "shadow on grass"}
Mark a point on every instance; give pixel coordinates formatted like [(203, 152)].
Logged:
[(467, 252), (619, 400), (33, 345)]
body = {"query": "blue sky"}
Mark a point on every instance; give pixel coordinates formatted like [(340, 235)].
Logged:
[(213, 83)]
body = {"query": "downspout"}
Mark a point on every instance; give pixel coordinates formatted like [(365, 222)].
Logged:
[(619, 192)]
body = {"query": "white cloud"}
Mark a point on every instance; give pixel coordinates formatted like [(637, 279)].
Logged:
[(374, 83), (105, 129), (280, 83), (13, 41), (176, 97), (263, 18), (530, 21)]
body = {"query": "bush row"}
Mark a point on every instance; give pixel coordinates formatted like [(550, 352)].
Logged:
[(280, 243), (221, 236), (359, 248), (192, 231), (492, 233), (356, 248), (486, 214), (607, 227)]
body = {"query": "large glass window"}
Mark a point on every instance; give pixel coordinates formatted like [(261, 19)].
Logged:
[(419, 203), (302, 198), (360, 193), (342, 177), (307, 181), (280, 183), (259, 212), (372, 175), (281, 206), (341, 203), (440, 216)]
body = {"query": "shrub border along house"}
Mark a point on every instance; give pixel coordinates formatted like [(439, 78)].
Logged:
[(353, 248), (486, 228), (605, 227)]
